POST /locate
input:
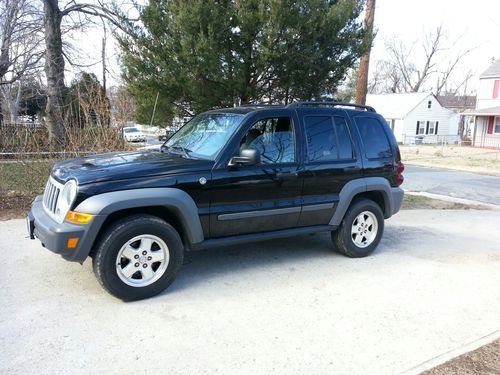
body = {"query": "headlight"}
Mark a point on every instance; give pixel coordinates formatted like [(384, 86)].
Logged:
[(66, 199)]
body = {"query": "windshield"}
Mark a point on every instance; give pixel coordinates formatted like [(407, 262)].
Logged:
[(205, 135), (131, 130)]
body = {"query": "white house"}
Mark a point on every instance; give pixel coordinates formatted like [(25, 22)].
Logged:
[(417, 117), (487, 123)]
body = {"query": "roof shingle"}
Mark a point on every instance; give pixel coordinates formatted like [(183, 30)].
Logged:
[(492, 71)]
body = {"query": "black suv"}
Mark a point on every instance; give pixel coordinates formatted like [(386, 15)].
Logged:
[(228, 176)]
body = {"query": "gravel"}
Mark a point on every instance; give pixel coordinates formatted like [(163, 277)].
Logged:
[(282, 306)]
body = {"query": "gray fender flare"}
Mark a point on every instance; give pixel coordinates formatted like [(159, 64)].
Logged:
[(392, 196), (177, 201)]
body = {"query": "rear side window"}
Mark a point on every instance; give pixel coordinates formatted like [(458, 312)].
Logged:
[(328, 138), (344, 138), (373, 137)]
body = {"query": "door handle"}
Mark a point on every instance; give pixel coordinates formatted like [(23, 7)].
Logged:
[(286, 175)]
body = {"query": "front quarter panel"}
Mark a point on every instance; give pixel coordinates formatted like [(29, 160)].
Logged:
[(176, 200)]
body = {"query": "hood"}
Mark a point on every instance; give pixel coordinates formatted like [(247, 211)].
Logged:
[(125, 165)]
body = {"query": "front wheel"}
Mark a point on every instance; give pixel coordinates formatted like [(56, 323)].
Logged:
[(360, 230), (138, 257)]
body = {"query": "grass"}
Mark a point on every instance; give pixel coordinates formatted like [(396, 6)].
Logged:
[(485, 161), (485, 360), (415, 202), (20, 182), (25, 176)]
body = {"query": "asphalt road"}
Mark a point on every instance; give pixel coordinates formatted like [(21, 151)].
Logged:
[(455, 184), (286, 306)]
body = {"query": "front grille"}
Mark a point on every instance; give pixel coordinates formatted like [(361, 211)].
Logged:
[(50, 196)]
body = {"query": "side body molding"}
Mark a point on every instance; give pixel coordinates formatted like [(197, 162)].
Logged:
[(176, 200), (392, 196)]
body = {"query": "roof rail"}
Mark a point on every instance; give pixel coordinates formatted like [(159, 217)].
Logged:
[(260, 105), (331, 104)]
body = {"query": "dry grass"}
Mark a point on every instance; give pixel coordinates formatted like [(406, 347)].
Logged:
[(482, 361), (417, 202), (26, 159), (485, 161)]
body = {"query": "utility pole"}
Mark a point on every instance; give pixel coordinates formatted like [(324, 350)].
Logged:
[(104, 69), (364, 64)]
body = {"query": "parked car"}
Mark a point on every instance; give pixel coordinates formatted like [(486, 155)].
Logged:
[(165, 135), (228, 176), (133, 134)]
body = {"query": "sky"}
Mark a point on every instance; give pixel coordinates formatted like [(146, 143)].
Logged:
[(467, 24)]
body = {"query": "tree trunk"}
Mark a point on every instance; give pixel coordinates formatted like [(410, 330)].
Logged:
[(364, 64), (14, 105), (54, 70)]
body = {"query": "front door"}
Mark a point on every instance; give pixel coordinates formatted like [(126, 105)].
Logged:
[(263, 197)]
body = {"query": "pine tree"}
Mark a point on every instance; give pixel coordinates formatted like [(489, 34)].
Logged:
[(201, 54)]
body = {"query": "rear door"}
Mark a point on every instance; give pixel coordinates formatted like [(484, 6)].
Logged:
[(331, 160)]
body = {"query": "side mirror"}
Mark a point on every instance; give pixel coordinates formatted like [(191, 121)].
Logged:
[(248, 156)]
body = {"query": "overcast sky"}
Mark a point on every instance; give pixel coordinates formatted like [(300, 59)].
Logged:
[(474, 24)]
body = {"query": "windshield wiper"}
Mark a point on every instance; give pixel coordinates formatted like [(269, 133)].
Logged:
[(184, 150)]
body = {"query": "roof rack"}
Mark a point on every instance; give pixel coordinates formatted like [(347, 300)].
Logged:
[(331, 104), (260, 105)]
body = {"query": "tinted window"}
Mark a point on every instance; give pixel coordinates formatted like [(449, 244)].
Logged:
[(328, 138), (344, 138), (274, 138), (373, 137), (321, 138)]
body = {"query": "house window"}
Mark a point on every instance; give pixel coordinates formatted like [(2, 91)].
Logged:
[(432, 127), (429, 104), (421, 127), (497, 125)]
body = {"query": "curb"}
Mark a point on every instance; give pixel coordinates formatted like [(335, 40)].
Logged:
[(447, 198), (452, 354)]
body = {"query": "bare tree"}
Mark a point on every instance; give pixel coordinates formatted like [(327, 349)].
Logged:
[(20, 50), (409, 68), (54, 60), (122, 105)]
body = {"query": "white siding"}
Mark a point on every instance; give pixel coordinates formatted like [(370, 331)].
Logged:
[(398, 130), (447, 128), (481, 137), (485, 94)]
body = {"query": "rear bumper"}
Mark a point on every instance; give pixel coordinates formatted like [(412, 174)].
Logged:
[(397, 195), (54, 236)]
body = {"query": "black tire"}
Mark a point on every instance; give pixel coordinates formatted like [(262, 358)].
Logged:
[(342, 237), (116, 236)]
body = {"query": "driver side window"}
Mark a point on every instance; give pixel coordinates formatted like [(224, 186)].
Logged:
[(274, 138)]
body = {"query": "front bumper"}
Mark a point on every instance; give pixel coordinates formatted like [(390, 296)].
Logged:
[(54, 236)]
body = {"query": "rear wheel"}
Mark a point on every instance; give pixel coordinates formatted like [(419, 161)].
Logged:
[(360, 230), (138, 257)]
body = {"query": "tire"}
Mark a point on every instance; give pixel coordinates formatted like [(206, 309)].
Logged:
[(355, 238), (151, 255)]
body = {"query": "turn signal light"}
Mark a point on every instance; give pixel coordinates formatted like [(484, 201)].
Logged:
[(78, 217), (72, 242)]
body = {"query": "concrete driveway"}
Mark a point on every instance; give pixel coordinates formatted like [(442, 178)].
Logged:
[(288, 306), (455, 184)]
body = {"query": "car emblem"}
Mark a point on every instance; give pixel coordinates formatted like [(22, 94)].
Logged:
[(202, 180)]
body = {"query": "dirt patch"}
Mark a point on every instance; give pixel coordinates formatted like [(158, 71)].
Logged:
[(484, 361), (417, 202), (14, 205)]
